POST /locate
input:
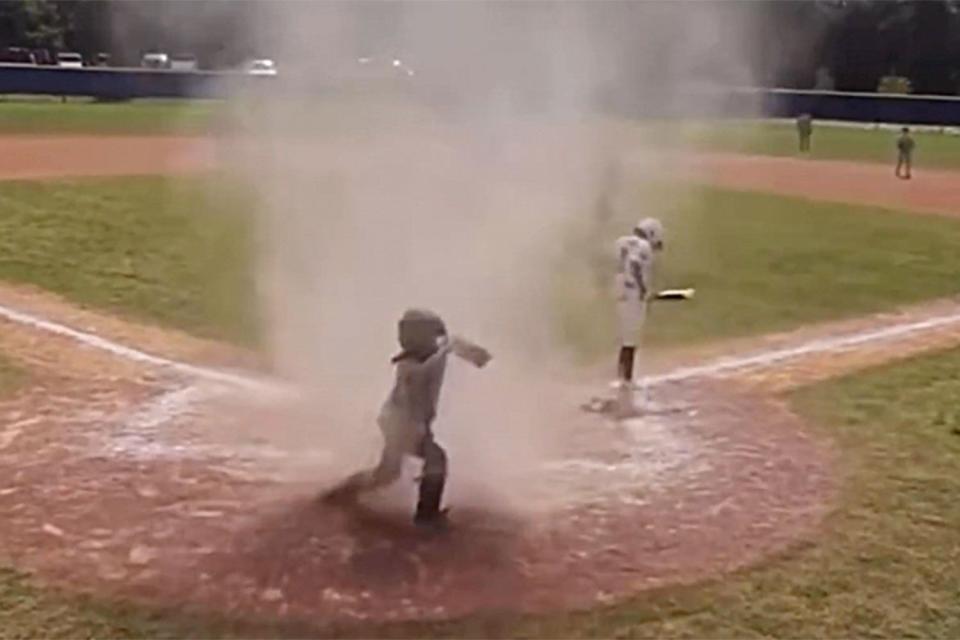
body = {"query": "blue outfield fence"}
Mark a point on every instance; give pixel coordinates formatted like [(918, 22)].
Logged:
[(121, 84), (857, 107)]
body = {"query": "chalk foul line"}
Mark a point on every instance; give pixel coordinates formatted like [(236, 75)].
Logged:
[(132, 354), (719, 366), (817, 346)]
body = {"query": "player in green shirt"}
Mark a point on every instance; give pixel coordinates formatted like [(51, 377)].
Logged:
[(905, 146), (804, 131)]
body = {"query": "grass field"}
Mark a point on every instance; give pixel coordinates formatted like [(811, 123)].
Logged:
[(829, 143), (173, 251), (149, 117), (177, 251), (156, 117), (886, 564), (762, 263)]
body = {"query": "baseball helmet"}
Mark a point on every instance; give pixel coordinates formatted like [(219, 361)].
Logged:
[(418, 331), (652, 230)]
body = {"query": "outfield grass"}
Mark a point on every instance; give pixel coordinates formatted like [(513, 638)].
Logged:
[(149, 117), (177, 251), (160, 117), (885, 565), (761, 263), (828, 143)]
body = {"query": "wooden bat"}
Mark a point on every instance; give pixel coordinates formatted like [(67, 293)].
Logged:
[(675, 294)]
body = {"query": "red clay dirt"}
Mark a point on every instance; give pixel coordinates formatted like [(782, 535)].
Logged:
[(111, 482), (45, 158), (96, 495), (929, 191)]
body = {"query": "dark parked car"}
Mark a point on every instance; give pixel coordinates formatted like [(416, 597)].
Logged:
[(17, 55)]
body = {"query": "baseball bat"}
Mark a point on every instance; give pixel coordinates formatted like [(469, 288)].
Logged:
[(675, 294)]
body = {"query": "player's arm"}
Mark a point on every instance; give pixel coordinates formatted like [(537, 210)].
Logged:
[(469, 351), (641, 276), (435, 361)]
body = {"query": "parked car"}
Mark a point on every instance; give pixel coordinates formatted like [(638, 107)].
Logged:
[(183, 62), (155, 60), (17, 55), (261, 67), (102, 59), (69, 60), (44, 57)]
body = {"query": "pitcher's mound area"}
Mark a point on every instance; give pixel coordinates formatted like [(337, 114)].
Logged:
[(121, 491)]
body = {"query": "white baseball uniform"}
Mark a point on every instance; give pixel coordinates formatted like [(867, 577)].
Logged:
[(633, 285)]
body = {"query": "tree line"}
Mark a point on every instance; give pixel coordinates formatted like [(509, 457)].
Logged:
[(848, 45), (217, 32)]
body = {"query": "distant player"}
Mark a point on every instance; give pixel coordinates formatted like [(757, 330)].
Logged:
[(406, 417), (804, 131), (634, 287), (905, 146)]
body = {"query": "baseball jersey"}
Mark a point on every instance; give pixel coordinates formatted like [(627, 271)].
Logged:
[(634, 265), (905, 144)]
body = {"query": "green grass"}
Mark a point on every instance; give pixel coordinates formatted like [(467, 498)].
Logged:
[(159, 117), (29, 612), (760, 263), (149, 117), (176, 251), (828, 143)]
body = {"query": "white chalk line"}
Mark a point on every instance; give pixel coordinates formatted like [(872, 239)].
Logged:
[(135, 355), (719, 366), (179, 401), (817, 346)]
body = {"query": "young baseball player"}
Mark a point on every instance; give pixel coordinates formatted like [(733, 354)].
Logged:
[(634, 287), (905, 146), (804, 131), (406, 417)]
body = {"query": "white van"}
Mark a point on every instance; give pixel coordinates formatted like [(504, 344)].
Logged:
[(261, 67), (70, 60), (155, 61)]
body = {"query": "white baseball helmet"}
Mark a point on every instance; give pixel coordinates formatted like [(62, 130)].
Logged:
[(651, 230)]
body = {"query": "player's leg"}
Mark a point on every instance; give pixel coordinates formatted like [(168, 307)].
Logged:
[(899, 165), (629, 316), (432, 481), (908, 165), (386, 472), (625, 363)]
